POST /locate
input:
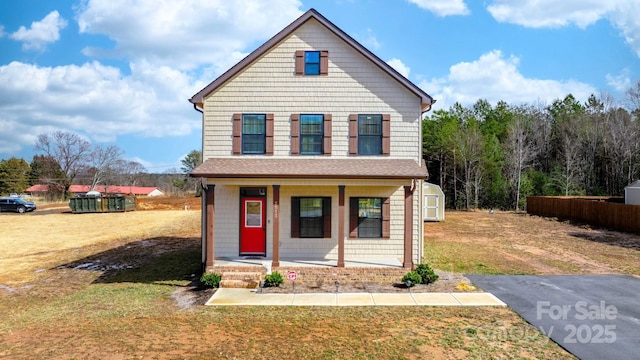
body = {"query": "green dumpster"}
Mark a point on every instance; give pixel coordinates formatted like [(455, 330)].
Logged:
[(102, 204)]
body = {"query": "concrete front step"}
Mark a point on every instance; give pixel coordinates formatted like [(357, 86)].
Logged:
[(250, 280)]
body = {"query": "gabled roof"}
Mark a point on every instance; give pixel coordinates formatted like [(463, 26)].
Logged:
[(303, 168), (426, 100)]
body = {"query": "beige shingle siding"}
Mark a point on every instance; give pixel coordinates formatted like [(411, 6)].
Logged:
[(227, 220), (227, 223), (354, 85)]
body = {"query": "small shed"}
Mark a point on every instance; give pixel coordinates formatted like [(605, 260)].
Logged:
[(632, 193), (433, 202)]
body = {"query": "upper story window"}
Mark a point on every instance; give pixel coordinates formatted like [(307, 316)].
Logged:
[(252, 134), (313, 62), (369, 134), (310, 134)]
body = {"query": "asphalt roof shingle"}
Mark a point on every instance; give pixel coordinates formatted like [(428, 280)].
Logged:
[(352, 168)]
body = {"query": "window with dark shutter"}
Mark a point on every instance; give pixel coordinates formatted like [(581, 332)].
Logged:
[(311, 134), (252, 134), (386, 134), (310, 217), (353, 134), (369, 218), (311, 62), (237, 134), (369, 134), (299, 62), (295, 217), (324, 62), (295, 134), (269, 135), (327, 134), (254, 130)]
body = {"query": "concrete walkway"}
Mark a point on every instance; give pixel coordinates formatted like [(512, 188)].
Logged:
[(251, 297)]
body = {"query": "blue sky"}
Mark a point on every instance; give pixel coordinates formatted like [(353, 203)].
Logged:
[(120, 72)]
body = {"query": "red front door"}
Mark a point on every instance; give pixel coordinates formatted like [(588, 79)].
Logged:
[(253, 234)]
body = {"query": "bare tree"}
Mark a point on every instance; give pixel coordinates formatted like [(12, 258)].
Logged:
[(68, 149), (132, 171), (102, 161), (622, 137), (520, 149), (633, 98), (470, 143)]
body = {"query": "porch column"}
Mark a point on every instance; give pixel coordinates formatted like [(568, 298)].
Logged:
[(275, 261), (408, 227), (340, 225), (210, 216)]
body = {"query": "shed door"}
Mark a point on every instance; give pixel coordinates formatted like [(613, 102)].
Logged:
[(253, 234), (431, 205)]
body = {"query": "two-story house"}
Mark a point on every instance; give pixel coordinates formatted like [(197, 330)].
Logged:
[(312, 149)]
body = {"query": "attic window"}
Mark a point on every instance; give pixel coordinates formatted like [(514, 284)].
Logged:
[(312, 62)]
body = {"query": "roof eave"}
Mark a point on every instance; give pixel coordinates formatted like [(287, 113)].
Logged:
[(313, 176)]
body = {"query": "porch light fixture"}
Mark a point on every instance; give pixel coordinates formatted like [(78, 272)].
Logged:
[(337, 286)]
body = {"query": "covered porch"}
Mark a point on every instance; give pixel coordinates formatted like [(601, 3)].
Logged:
[(279, 181)]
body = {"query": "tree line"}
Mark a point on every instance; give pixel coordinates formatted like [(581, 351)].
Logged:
[(64, 158), (486, 156)]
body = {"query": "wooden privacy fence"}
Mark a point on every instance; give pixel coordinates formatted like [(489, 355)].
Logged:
[(592, 211)]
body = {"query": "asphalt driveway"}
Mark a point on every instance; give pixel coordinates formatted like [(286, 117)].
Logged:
[(591, 316)]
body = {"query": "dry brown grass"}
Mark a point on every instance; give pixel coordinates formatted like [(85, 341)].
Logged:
[(54, 308), (506, 242), (41, 240)]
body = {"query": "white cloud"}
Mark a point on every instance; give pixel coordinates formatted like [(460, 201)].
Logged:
[(626, 18), (41, 32), (94, 100), (400, 67), (623, 14), (173, 49), (443, 7), (370, 42), (494, 77), (2, 33), (550, 13), (620, 82), (184, 34)]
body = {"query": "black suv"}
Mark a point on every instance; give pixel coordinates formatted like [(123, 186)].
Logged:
[(16, 204)]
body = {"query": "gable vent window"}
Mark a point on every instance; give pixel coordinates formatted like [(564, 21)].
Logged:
[(312, 62)]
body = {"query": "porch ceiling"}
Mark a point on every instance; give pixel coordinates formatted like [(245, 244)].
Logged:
[(350, 168)]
